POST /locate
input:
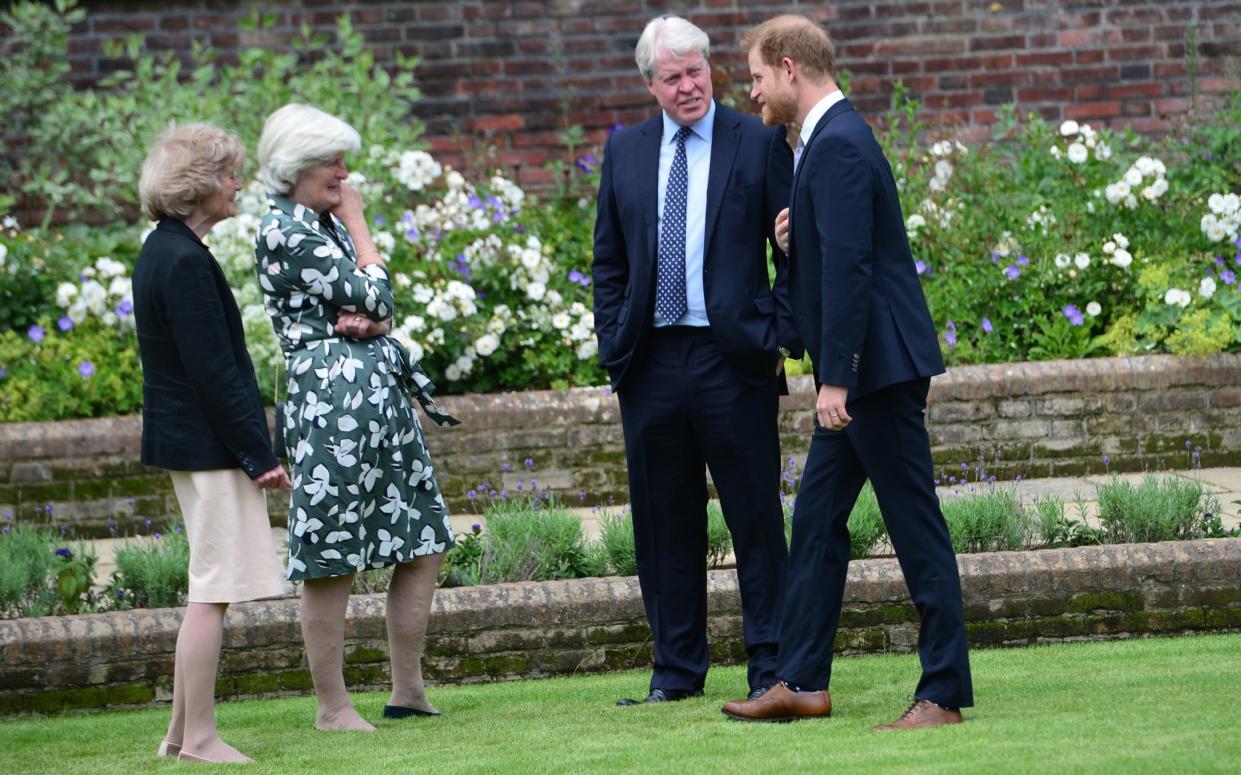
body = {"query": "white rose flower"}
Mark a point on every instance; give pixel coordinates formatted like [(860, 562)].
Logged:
[(1133, 177), (1177, 297), (1103, 152), (1160, 186), (487, 344), (1216, 232), (1216, 203), (1206, 288), (530, 258), (943, 169), (1121, 258), (454, 180), (1121, 240), (415, 350), (536, 291), (587, 350), (1055, 152), (560, 321), (1131, 201), (1112, 192), (1069, 128), (65, 293), (1232, 203), (1078, 153), (1082, 260), (1145, 165), (1063, 260), (1093, 309), (385, 241), (452, 372)]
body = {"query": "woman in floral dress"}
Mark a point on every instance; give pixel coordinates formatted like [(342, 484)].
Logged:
[(364, 490)]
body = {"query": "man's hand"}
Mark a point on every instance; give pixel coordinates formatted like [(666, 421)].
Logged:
[(830, 407), (275, 479), (782, 230)]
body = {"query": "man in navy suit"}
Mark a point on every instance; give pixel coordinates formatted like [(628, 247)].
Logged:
[(861, 313), (689, 329)]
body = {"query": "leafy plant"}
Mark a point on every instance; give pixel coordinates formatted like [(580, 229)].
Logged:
[(528, 542), (719, 538), (152, 573), (1159, 508), (991, 520), (616, 538), (26, 562)]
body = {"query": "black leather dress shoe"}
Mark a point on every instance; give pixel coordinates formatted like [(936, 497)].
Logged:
[(664, 695), (758, 691)]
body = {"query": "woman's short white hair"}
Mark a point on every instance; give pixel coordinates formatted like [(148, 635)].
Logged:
[(296, 138), (673, 34), (184, 168)]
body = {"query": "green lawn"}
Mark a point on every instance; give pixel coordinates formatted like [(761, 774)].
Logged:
[(1160, 705)]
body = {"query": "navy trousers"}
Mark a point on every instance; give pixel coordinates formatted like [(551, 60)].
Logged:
[(685, 410), (886, 442)]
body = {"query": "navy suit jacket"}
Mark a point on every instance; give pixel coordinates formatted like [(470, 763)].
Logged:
[(856, 298), (748, 185), (201, 407)]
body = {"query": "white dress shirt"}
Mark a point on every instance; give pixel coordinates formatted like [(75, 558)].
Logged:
[(812, 120)]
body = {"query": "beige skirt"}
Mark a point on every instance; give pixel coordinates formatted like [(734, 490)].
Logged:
[(232, 553)]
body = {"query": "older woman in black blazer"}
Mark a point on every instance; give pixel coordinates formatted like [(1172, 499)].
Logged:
[(202, 415)]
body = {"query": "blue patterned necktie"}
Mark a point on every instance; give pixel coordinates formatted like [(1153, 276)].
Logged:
[(670, 300)]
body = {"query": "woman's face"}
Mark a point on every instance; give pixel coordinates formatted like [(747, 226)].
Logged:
[(223, 204), (319, 186)]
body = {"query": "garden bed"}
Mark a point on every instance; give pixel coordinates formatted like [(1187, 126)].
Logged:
[(506, 631)]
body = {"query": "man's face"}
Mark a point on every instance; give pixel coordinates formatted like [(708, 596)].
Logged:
[(772, 91), (682, 86)]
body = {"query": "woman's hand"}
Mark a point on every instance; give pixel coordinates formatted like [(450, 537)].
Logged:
[(357, 326), (275, 479), (350, 210)]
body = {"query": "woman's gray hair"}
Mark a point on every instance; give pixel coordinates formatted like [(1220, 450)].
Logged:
[(184, 168), (673, 34), (296, 138)]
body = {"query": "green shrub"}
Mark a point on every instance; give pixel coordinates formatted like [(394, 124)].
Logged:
[(719, 539), (616, 538), (152, 574), (1159, 508), (990, 520), (527, 539), (866, 528), (41, 575)]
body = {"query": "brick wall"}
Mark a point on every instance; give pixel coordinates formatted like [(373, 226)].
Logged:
[(125, 659), (512, 72), (1046, 419)]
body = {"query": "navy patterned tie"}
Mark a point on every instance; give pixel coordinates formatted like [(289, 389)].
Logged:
[(670, 300)]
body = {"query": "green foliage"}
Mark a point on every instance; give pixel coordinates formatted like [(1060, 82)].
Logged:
[(91, 371), (112, 126), (1167, 508), (152, 573), (866, 528), (719, 538), (528, 539), (991, 520), (616, 538), (41, 575), (463, 563)]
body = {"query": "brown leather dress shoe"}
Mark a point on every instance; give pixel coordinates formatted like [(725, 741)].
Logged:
[(923, 714), (780, 703)]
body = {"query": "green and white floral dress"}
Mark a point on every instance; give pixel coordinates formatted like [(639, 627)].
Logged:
[(364, 490)]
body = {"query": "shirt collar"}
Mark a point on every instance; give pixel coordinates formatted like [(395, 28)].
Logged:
[(817, 112), (701, 128)]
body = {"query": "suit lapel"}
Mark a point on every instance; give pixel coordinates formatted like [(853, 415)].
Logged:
[(647, 172), (724, 145), (833, 112)]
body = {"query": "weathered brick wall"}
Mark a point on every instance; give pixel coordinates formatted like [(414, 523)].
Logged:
[(513, 72), (1046, 419), (568, 627)]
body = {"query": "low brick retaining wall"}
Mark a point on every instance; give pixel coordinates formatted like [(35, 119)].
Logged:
[(530, 629), (1048, 419)]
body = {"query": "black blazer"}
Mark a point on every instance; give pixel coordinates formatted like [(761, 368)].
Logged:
[(201, 408), (747, 186), (857, 301)]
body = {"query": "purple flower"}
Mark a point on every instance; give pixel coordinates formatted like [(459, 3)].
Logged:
[(1012, 271), (995, 257), (86, 369), (120, 594), (2, 373), (615, 128), (475, 202), (920, 266), (35, 333), (63, 552), (950, 334), (579, 278), (986, 325), (1219, 260), (471, 495), (379, 220), (1022, 261), (586, 163), (581, 496), (412, 234), (1228, 277), (477, 528), (4, 530), (124, 308), (1017, 478), (1074, 315), (158, 535), (65, 323), (529, 463), (1107, 459), (506, 468), (147, 523), (520, 487)]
